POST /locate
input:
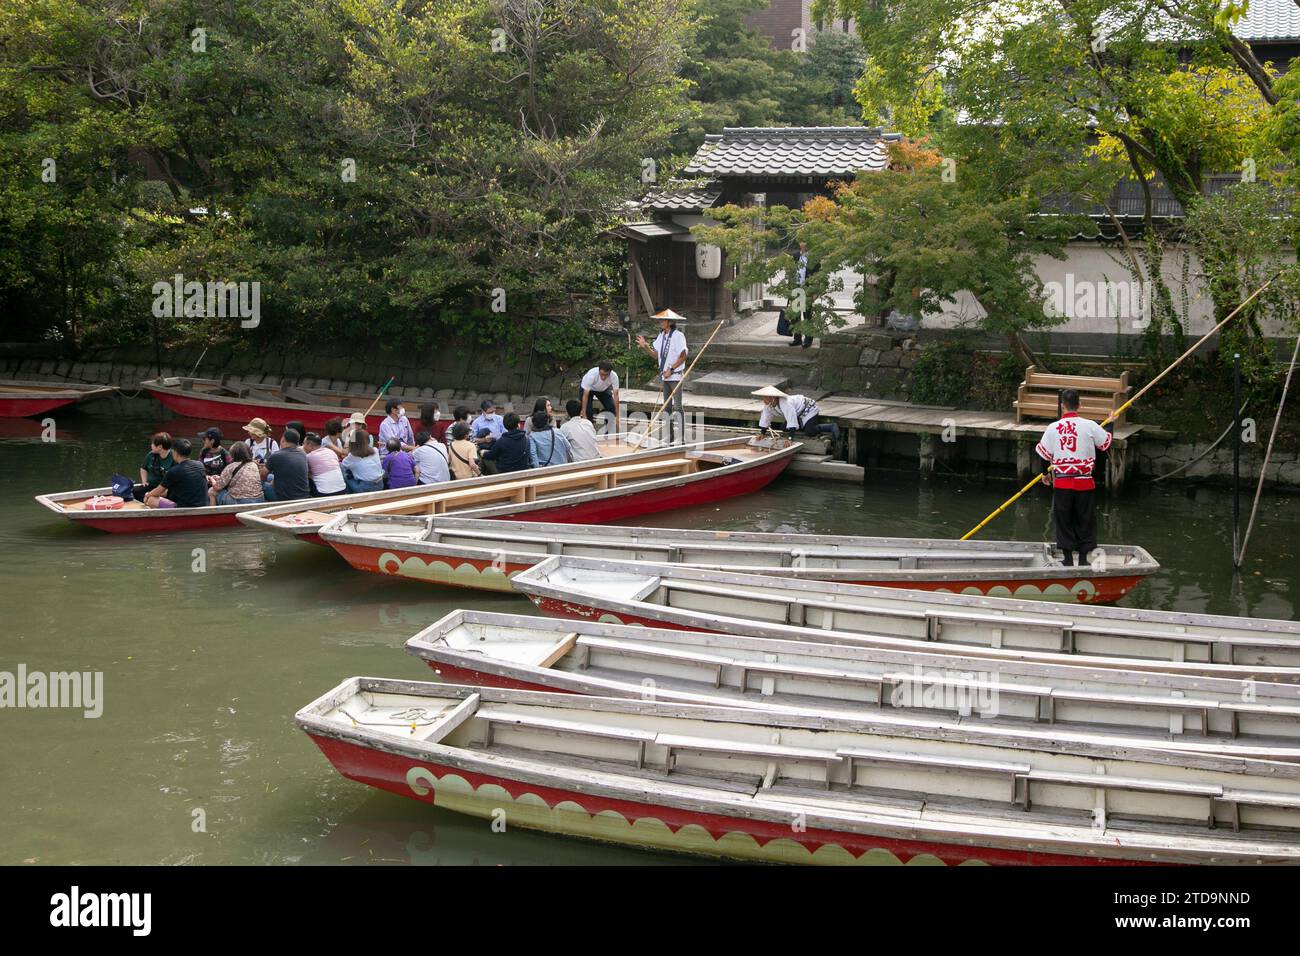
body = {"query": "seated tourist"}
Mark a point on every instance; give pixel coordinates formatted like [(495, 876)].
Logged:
[(323, 468), (260, 442), (546, 446), (240, 482), (489, 420), (362, 469), (580, 433), (399, 466), (395, 425), (213, 456), (285, 476), (431, 459), (155, 465), (463, 453), (333, 438), (510, 451), (185, 485), (356, 422), (543, 404)]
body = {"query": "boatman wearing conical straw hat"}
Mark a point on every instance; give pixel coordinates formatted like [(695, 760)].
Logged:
[(1070, 446), (669, 351), (799, 412)]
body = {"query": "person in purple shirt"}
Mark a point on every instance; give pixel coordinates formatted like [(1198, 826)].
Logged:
[(395, 426), (399, 466)]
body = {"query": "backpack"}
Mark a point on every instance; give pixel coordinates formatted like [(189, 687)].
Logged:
[(783, 324), (122, 486)]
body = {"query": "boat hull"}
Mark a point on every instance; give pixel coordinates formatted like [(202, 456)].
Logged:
[(27, 407), (494, 575), (654, 827), (159, 520), (210, 408)]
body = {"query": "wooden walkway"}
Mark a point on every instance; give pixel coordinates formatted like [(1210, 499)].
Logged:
[(871, 414)]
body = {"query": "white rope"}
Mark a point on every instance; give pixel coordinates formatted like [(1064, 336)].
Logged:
[(1263, 469), (1188, 464)]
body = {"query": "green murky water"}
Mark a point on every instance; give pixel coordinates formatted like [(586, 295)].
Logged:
[(204, 670)]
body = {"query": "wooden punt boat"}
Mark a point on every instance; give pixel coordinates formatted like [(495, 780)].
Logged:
[(24, 399), (1203, 714), (223, 400), (675, 476), (800, 787), (694, 599), (467, 552), (134, 518)]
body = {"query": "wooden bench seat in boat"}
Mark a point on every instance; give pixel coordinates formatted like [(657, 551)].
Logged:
[(998, 768), (675, 742), (1098, 395), (1235, 799), (1237, 708), (1178, 788), (1142, 701), (494, 715), (632, 649), (531, 485)]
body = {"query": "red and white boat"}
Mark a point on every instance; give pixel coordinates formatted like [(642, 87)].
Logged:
[(698, 600), (470, 553), (230, 400), (1186, 712), (625, 483), (25, 399), (811, 787)]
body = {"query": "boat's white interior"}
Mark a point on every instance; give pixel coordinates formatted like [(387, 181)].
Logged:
[(1139, 791), (878, 612), (1216, 717)]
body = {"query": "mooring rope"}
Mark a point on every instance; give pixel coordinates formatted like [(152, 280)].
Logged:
[(1268, 453), (1188, 464)]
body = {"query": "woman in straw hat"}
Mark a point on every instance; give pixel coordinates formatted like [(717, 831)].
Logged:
[(669, 351), (799, 413), (260, 442)]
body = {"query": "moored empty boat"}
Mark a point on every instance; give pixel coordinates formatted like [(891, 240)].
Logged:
[(694, 599), (481, 555), (231, 400), (799, 788), (24, 399), (1188, 712), (618, 486)]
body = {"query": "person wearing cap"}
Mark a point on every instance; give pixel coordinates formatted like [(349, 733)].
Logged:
[(395, 425), (260, 442), (213, 456), (356, 423), (600, 383), (488, 419), (799, 412), (285, 475), (669, 351)]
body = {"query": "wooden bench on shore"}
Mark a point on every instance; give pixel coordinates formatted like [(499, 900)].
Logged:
[(1098, 396)]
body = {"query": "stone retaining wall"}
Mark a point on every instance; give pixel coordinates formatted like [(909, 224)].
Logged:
[(869, 362)]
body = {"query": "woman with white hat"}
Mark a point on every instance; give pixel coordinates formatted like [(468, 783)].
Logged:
[(260, 442), (669, 350), (799, 413)]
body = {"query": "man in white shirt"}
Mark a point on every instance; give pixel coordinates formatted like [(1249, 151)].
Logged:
[(798, 412), (600, 383), (431, 458), (1070, 446), (669, 351), (580, 432)]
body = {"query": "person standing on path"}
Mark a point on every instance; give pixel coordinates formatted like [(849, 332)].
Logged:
[(669, 351), (803, 269), (1070, 446)]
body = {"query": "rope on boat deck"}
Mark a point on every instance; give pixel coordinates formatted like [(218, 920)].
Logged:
[(412, 717)]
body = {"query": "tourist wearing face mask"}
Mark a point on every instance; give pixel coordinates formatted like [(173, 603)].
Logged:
[(396, 426)]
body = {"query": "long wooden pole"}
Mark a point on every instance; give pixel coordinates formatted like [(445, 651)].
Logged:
[(667, 401), (1123, 408), (379, 396)]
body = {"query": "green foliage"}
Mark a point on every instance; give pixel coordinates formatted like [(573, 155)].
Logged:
[(952, 373), (474, 170)]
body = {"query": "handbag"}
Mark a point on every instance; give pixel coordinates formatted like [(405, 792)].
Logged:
[(783, 324)]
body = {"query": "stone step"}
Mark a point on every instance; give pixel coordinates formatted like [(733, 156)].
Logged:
[(828, 469), (734, 384)]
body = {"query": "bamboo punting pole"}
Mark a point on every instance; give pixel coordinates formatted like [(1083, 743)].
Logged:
[(681, 381), (1123, 408), (1240, 556), (379, 396)]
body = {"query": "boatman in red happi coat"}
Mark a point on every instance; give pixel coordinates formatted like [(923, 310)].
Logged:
[(1070, 446)]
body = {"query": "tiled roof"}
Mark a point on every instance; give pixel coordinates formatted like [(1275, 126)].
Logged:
[(683, 196), (1269, 20), (1127, 201), (792, 151)]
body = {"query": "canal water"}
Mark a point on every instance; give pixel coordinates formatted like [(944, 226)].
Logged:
[(195, 758)]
